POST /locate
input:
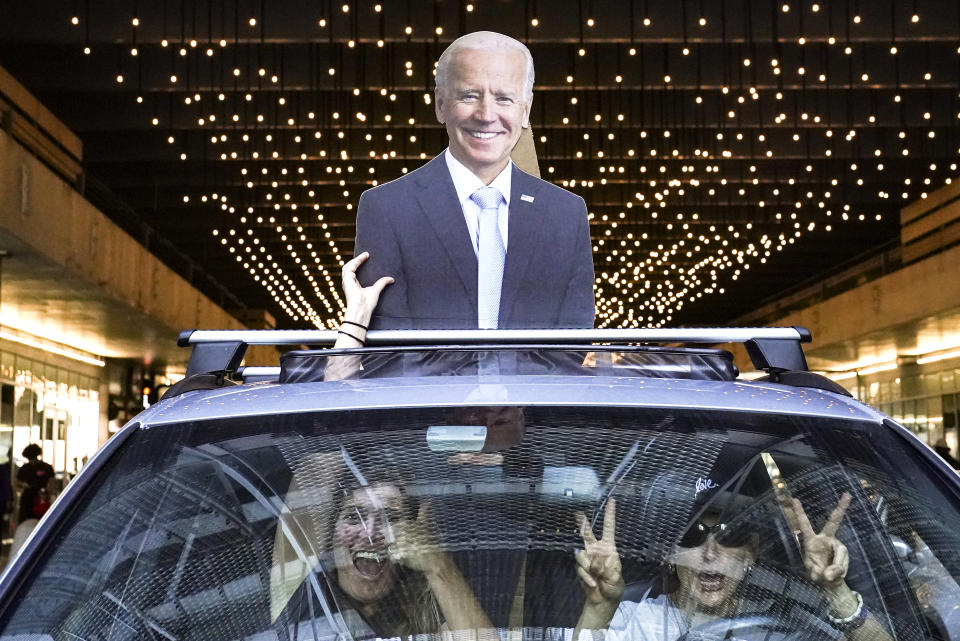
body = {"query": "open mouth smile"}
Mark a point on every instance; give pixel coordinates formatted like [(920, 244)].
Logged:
[(369, 564), (711, 581)]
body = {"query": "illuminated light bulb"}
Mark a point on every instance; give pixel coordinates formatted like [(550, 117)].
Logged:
[(223, 43), (408, 30), (632, 51), (86, 51), (686, 51), (135, 22), (703, 22), (534, 22), (119, 78), (345, 8), (74, 20), (893, 50), (322, 22), (914, 18), (785, 8), (647, 22), (252, 22), (856, 19), (582, 52)]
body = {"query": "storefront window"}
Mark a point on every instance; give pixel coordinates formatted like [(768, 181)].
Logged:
[(54, 407)]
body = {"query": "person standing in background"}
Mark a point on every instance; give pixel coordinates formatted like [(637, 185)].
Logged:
[(941, 448), (32, 478)]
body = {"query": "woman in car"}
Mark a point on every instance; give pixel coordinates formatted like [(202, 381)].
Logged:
[(394, 575), (703, 591), (370, 555)]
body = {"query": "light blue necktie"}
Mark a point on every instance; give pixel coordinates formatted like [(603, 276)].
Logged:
[(490, 256)]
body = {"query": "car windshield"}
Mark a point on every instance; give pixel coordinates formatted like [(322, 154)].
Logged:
[(322, 525)]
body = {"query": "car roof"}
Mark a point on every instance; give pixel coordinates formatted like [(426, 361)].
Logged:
[(253, 399), (608, 368)]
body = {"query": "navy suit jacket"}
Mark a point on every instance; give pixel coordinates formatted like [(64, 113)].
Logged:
[(414, 229)]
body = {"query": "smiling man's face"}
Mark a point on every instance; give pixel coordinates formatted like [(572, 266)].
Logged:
[(484, 108)]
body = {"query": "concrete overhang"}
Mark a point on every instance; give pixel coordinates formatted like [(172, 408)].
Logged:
[(75, 278)]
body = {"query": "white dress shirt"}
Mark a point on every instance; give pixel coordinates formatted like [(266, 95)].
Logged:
[(466, 182)]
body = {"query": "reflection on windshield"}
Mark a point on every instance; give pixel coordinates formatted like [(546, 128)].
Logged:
[(350, 525)]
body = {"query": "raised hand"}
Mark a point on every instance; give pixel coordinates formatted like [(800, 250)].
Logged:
[(824, 556), (598, 564), (413, 544), (360, 300)]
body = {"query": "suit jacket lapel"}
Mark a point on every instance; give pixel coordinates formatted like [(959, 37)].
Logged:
[(525, 235), (438, 200)]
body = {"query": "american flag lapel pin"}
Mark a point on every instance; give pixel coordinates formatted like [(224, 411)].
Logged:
[(526, 198)]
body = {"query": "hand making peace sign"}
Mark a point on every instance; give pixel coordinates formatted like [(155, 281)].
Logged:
[(598, 564), (824, 556)]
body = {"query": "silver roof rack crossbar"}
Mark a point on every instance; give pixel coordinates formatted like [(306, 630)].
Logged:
[(772, 349), (327, 337)]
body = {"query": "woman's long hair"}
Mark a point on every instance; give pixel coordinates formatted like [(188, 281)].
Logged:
[(409, 608)]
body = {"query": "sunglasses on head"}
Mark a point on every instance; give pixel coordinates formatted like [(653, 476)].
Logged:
[(724, 533)]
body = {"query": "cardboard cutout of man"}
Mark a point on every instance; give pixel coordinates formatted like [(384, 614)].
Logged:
[(463, 256)]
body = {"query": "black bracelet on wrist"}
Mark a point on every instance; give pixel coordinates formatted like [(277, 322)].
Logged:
[(362, 343), (363, 327), (853, 621)]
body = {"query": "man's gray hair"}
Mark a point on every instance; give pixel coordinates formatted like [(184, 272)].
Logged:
[(484, 41)]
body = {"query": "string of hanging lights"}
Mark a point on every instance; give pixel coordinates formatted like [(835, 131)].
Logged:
[(719, 145)]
